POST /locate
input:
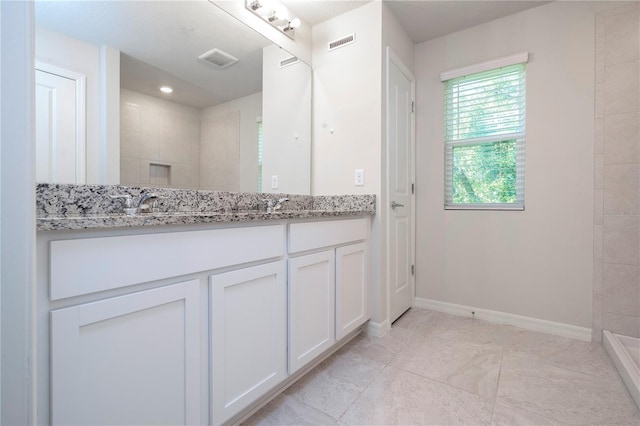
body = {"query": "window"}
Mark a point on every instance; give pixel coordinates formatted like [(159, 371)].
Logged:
[(484, 139)]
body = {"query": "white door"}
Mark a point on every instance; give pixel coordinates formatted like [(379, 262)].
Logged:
[(248, 336), (351, 288), (400, 185), (129, 360), (311, 307), (59, 129)]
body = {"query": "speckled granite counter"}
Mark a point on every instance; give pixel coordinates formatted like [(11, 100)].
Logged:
[(73, 207)]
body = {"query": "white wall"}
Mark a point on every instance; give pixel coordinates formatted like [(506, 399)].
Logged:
[(109, 115), (393, 35), (349, 118), (347, 99), (347, 121), (250, 109), (286, 125), (100, 65), (17, 194), (538, 262)]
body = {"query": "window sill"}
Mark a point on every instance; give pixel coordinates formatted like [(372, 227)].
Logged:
[(506, 207)]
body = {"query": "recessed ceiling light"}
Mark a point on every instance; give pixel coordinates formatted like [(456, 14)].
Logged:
[(166, 89)]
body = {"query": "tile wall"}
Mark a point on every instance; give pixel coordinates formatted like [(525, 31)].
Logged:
[(153, 131), (220, 152), (616, 289)]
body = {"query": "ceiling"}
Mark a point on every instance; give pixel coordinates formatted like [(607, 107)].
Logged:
[(160, 41), (314, 12), (426, 20), (422, 19)]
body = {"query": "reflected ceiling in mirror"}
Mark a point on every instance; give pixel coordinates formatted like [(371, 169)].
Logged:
[(160, 43)]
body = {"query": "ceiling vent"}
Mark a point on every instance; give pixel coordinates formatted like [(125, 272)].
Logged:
[(344, 41), (289, 61), (218, 58)]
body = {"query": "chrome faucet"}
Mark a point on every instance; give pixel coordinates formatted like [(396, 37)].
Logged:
[(148, 202), (128, 203), (278, 206), (271, 208)]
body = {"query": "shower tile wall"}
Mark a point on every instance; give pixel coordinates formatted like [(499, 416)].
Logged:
[(616, 289), (220, 152), (153, 131)]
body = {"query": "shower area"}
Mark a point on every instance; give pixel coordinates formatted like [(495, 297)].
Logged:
[(616, 289)]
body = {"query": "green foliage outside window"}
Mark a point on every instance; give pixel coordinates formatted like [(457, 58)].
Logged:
[(484, 124), (485, 173)]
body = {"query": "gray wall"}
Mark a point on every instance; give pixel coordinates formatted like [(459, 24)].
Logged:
[(536, 263)]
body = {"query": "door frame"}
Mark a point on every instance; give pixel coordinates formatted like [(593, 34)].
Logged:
[(392, 57), (81, 125)]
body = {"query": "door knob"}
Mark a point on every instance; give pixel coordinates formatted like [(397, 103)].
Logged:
[(394, 205)]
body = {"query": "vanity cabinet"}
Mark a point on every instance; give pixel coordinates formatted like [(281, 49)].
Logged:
[(190, 326), (248, 336), (125, 360), (311, 307), (327, 287)]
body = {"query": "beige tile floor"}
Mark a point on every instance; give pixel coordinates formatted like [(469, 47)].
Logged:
[(438, 369)]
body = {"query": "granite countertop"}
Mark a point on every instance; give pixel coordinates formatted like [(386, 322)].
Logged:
[(75, 207)]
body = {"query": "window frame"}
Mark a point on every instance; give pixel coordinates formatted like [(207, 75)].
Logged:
[(518, 137)]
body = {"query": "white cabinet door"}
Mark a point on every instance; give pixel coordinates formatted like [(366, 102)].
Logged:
[(128, 360), (248, 336), (311, 307), (351, 288)]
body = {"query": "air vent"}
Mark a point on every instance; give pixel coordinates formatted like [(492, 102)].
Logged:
[(344, 41), (218, 58), (289, 61)]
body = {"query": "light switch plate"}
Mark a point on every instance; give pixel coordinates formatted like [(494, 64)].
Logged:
[(359, 177), (274, 182)]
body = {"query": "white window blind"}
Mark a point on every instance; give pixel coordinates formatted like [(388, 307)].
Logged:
[(484, 139)]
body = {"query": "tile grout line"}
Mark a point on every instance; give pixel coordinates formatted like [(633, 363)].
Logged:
[(386, 365), (561, 367), (360, 393), (495, 396), (505, 333)]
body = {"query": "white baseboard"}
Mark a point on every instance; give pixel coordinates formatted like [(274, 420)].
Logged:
[(377, 329), (535, 324)]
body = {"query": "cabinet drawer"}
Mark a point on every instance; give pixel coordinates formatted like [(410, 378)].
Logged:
[(89, 265), (313, 235)]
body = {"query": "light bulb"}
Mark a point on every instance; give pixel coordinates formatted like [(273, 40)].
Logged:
[(295, 23), (166, 89)]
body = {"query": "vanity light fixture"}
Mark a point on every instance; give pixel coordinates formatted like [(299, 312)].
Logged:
[(166, 89), (292, 25), (275, 15)]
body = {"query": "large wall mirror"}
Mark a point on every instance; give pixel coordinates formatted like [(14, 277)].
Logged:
[(238, 117)]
